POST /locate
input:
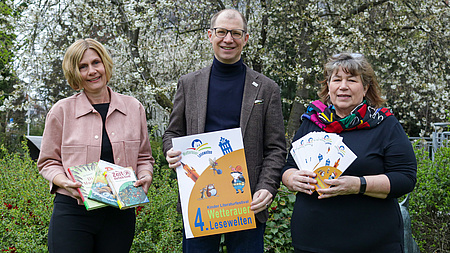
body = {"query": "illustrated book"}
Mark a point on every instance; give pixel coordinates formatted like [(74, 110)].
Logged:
[(85, 175), (100, 190), (121, 180), (213, 183)]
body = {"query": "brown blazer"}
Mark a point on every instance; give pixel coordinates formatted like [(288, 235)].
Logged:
[(261, 123)]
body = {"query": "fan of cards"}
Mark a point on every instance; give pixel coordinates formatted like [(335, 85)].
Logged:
[(323, 153)]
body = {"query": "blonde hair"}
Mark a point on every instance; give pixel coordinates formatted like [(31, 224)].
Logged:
[(357, 65), (73, 56)]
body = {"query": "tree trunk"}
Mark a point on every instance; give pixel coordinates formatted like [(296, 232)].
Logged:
[(295, 114)]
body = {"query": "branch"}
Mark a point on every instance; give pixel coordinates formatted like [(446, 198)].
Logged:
[(412, 10), (222, 6), (417, 16), (364, 7), (191, 30), (386, 29), (358, 10)]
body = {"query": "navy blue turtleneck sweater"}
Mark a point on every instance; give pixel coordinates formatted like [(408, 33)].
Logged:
[(226, 88)]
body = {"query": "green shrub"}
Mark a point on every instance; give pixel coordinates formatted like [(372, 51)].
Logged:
[(429, 208), (159, 225), (27, 207), (430, 202), (277, 236), (27, 204)]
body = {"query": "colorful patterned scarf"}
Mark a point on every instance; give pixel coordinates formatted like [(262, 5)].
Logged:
[(363, 116)]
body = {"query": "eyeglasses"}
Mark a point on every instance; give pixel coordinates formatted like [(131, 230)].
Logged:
[(235, 33), (353, 55)]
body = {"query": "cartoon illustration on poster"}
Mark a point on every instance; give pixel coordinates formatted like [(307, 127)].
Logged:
[(213, 183)]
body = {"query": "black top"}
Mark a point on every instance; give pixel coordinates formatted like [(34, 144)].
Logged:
[(358, 223), (226, 88), (107, 152)]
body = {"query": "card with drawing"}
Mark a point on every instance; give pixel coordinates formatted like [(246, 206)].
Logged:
[(324, 153)]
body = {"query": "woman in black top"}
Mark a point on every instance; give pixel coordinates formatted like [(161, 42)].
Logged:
[(95, 123), (360, 212)]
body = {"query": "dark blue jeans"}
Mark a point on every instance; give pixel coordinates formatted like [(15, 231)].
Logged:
[(73, 229), (245, 241)]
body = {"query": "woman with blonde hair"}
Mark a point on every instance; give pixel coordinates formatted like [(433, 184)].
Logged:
[(96, 123)]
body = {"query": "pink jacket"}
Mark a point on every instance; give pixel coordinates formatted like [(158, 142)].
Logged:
[(73, 136)]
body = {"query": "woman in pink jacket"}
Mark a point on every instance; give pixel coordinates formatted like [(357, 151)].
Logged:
[(96, 123)]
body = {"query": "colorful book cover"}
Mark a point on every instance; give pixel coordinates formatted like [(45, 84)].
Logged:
[(121, 181), (100, 190), (85, 175), (213, 183)]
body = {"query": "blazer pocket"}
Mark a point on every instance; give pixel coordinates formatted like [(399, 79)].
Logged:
[(258, 112)]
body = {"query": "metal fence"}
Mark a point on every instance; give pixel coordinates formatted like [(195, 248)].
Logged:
[(439, 138)]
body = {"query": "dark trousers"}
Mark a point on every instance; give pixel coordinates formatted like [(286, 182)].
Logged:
[(248, 241), (73, 229)]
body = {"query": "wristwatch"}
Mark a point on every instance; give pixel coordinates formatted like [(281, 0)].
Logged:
[(362, 188)]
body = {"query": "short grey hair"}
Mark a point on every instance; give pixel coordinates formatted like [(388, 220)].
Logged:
[(230, 14)]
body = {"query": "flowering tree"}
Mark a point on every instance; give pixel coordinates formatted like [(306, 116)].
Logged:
[(6, 37), (153, 43), (406, 41)]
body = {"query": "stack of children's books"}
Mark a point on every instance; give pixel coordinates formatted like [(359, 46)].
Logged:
[(323, 153), (107, 184)]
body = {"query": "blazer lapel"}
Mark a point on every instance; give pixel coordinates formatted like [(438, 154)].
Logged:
[(201, 89), (251, 89)]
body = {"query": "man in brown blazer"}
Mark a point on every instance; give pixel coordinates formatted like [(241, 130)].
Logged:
[(224, 95)]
